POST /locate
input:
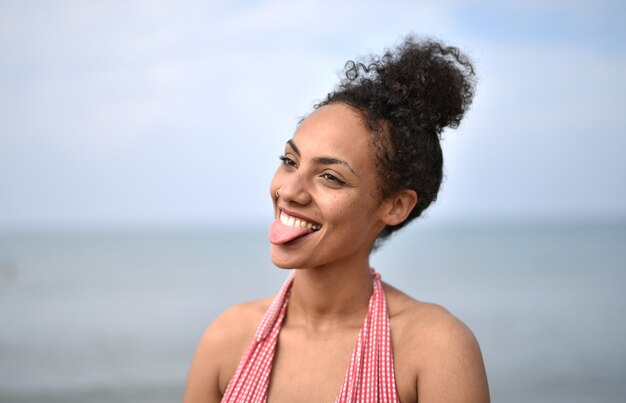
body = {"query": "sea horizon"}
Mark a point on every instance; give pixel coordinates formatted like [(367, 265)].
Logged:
[(114, 315)]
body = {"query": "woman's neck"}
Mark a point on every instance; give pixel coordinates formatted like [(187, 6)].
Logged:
[(329, 297)]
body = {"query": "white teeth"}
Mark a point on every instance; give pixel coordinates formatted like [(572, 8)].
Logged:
[(296, 222)]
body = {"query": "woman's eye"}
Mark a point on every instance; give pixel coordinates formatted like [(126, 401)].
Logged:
[(332, 178), (287, 161)]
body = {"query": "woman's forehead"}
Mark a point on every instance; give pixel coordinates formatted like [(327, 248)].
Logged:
[(332, 125), (334, 131)]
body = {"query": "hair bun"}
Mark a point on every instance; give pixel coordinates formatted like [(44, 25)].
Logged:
[(432, 82)]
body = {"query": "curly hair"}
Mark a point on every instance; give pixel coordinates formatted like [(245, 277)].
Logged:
[(407, 97)]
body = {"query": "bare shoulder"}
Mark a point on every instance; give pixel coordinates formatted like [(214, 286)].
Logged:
[(220, 348), (237, 323), (431, 323), (436, 354)]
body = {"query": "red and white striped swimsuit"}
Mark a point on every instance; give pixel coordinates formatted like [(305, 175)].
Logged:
[(370, 376)]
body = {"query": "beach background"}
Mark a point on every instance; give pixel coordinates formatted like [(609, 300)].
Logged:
[(138, 139), (115, 317)]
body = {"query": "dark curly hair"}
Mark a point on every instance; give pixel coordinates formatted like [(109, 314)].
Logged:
[(407, 97)]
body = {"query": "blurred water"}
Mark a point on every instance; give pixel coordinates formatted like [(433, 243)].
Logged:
[(102, 317)]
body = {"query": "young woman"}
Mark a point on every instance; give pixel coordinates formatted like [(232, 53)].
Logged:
[(362, 165)]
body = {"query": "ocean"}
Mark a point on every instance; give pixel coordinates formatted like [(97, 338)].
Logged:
[(115, 316)]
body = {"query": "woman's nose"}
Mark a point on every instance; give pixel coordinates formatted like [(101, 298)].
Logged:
[(294, 189)]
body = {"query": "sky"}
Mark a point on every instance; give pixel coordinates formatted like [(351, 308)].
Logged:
[(173, 113)]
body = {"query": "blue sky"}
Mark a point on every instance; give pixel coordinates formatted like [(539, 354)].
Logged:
[(150, 113)]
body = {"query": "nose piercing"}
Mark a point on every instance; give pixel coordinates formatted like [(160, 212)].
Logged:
[(277, 195)]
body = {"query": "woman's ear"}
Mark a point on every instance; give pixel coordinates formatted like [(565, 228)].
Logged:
[(399, 206)]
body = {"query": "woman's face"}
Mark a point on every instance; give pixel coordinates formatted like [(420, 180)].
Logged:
[(329, 210)]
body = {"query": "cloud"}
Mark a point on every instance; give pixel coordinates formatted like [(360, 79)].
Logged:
[(180, 106)]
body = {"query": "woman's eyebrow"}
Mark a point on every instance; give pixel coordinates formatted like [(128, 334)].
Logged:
[(293, 147), (322, 160), (333, 161)]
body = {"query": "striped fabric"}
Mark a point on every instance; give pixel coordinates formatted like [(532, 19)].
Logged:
[(370, 375)]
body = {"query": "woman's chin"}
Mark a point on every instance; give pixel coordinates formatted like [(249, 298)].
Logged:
[(284, 259), (282, 266), (279, 259)]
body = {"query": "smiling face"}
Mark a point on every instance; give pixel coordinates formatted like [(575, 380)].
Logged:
[(329, 210)]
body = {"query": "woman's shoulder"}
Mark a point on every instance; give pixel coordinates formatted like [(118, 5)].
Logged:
[(434, 346), (221, 347), (232, 330), (431, 322), (239, 318)]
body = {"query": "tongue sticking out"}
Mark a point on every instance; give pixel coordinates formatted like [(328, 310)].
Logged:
[(280, 233)]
